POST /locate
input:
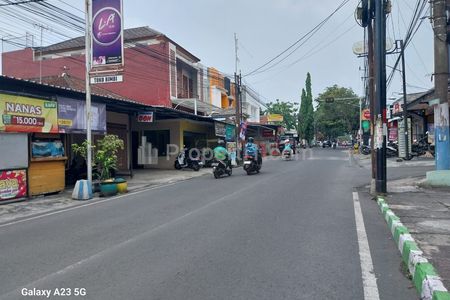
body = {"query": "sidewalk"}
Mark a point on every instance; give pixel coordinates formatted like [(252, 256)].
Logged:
[(425, 212), (142, 178)]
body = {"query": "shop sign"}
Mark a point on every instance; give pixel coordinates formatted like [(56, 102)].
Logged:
[(13, 184), (268, 133), (107, 33), (145, 117), (25, 114), (275, 118), (229, 132), (72, 116), (220, 129), (106, 79), (366, 114)]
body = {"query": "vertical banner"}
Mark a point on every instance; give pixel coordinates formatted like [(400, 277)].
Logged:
[(107, 33)]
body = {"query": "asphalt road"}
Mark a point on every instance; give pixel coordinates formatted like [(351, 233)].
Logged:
[(287, 233)]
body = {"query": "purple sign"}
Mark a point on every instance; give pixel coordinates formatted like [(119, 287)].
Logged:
[(107, 33)]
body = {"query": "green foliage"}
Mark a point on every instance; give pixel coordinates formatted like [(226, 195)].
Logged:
[(287, 109), (340, 117), (104, 154), (306, 115)]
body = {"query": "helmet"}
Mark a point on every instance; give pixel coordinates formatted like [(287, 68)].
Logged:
[(220, 142), (286, 141), (251, 140)]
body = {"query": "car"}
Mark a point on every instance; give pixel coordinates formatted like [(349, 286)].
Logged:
[(326, 144)]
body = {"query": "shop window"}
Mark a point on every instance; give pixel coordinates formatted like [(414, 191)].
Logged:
[(159, 139)]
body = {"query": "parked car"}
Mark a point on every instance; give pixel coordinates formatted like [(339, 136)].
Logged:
[(326, 144)]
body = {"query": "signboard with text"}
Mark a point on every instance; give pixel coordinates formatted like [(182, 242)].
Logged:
[(107, 33), (13, 184), (25, 114), (145, 117), (72, 116)]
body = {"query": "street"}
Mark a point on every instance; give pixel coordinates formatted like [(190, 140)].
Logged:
[(286, 233)]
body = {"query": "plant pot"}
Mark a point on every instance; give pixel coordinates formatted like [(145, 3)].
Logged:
[(108, 188), (122, 185)]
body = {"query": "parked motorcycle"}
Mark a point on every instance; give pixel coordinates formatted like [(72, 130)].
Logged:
[(220, 168), (365, 149), (184, 161), (251, 164)]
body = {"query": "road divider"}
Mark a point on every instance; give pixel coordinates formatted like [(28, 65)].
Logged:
[(424, 276)]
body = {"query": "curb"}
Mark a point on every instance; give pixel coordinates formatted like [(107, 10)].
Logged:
[(424, 276)]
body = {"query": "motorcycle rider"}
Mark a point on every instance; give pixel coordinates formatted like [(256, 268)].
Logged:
[(287, 146), (252, 149), (221, 153)]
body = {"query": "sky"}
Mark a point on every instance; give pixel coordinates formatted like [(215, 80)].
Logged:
[(264, 29)]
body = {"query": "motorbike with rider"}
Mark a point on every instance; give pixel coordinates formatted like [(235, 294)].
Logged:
[(287, 150), (222, 162), (252, 157)]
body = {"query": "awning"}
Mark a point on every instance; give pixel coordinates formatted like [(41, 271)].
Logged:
[(202, 107)]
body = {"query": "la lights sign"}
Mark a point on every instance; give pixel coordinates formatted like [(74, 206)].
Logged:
[(107, 32)]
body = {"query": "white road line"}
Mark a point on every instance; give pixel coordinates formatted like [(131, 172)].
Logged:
[(368, 276)]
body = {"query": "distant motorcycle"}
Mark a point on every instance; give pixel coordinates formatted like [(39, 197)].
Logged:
[(365, 149), (287, 154), (251, 164), (220, 168), (184, 161)]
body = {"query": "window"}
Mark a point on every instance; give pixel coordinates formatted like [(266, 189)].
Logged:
[(159, 139)]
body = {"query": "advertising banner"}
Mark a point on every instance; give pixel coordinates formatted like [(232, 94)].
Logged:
[(25, 114), (72, 116), (107, 33), (274, 118), (220, 129), (13, 184), (229, 132)]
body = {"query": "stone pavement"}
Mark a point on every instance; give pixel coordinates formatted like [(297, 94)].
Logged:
[(142, 178)]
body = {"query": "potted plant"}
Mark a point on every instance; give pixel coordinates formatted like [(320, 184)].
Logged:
[(104, 160)]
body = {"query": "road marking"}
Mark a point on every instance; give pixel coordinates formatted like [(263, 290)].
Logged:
[(89, 203), (134, 239), (368, 276)]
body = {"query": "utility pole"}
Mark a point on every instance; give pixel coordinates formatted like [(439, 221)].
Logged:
[(405, 103), (370, 58), (88, 5), (380, 107), (441, 109), (41, 27)]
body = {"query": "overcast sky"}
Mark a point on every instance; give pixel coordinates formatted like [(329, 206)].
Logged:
[(267, 27)]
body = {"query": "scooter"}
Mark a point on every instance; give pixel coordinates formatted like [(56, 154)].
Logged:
[(251, 164), (286, 154), (184, 161), (220, 168)]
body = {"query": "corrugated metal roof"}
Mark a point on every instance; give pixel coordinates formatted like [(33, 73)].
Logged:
[(128, 35)]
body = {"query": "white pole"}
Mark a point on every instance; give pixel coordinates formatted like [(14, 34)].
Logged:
[(360, 124), (195, 106), (88, 89)]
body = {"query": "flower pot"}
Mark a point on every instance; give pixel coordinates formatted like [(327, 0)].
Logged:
[(122, 185), (108, 188)]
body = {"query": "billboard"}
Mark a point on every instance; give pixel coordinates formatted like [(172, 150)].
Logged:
[(72, 116), (107, 33), (274, 118), (25, 114)]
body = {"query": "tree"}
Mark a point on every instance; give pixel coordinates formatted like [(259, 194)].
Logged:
[(306, 114), (287, 109), (340, 117)]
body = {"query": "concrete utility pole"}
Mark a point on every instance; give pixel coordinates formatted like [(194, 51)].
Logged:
[(441, 67), (405, 102), (88, 4), (380, 107), (42, 28), (370, 58)]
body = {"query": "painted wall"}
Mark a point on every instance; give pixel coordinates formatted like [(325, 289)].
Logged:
[(146, 73)]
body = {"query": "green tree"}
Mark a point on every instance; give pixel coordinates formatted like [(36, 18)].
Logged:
[(287, 109), (306, 114), (340, 117)]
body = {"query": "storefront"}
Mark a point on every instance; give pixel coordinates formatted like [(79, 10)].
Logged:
[(45, 158)]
